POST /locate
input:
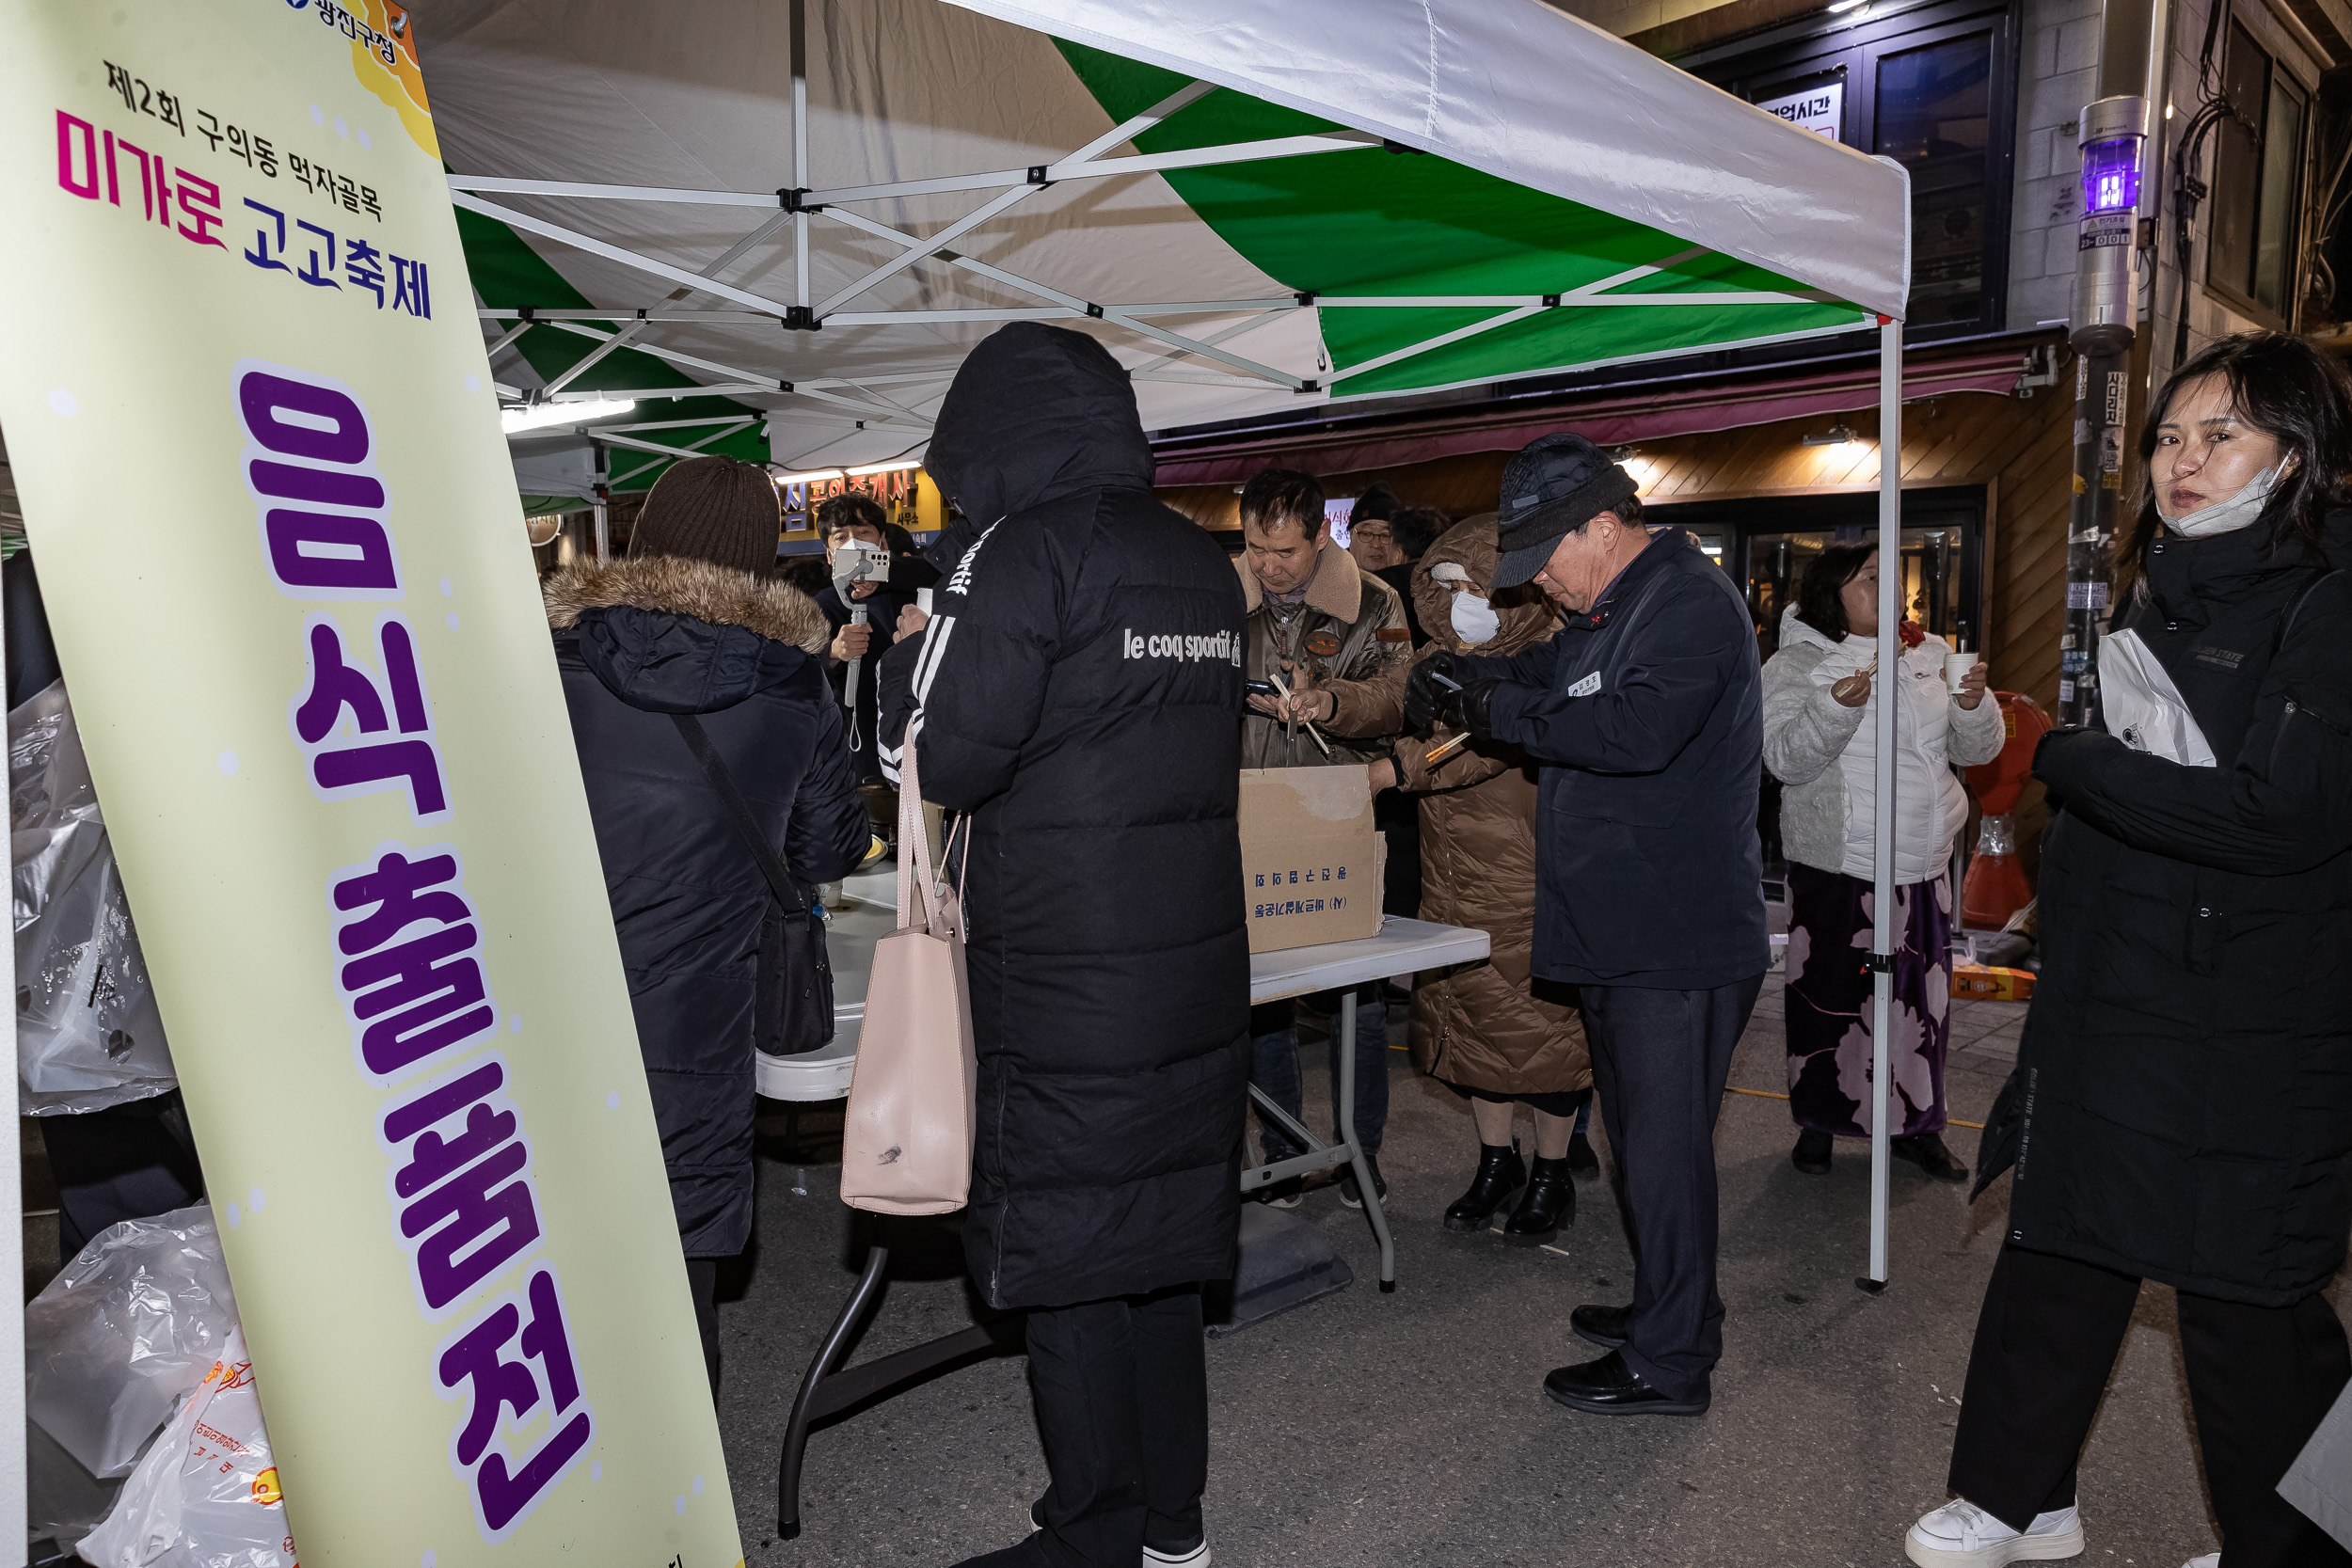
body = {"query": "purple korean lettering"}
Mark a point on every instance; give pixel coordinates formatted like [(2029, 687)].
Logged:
[(461, 1187), (320, 502), (474, 1366), (414, 999), (343, 703)]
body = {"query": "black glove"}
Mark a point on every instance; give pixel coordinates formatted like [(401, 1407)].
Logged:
[(1477, 707), (1426, 696)]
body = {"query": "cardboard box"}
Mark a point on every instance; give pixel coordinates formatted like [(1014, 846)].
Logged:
[(1311, 859), (1988, 983)]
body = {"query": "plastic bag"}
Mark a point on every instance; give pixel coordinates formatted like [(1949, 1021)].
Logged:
[(129, 1326), (87, 1031), (2142, 706), (206, 1495)]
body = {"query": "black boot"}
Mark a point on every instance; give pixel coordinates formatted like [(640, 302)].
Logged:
[(1927, 1152), (1501, 1175), (1548, 1203), (1811, 1155), (1582, 1161)]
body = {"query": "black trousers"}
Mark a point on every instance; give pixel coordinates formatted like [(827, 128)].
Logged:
[(1123, 1405), (1661, 1059), (2260, 1379), (702, 1280)]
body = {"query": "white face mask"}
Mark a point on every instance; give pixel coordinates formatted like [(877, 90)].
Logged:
[(1474, 618), (2224, 517)]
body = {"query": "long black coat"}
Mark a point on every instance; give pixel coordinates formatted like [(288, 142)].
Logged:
[(701, 938), (1648, 715), (2186, 1069), (1078, 687)]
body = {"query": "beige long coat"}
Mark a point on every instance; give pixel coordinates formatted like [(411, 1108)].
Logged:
[(1477, 1025)]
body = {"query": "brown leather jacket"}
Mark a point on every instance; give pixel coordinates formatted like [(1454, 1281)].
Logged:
[(1351, 628), (1477, 1025)]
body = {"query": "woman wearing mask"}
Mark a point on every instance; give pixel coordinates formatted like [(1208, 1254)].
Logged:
[(1821, 696), (2183, 1105), (1477, 1028)]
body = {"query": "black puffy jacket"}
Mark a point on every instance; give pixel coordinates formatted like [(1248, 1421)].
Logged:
[(1078, 690), (1648, 716), (701, 936), (2186, 1075)]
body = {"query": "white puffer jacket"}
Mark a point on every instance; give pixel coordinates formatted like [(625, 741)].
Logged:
[(1821, 752)]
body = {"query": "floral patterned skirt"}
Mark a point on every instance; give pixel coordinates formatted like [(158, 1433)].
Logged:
[(1828, 1003)]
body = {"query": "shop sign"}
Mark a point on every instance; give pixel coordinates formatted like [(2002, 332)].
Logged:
[(258, 453), (1817, 109)]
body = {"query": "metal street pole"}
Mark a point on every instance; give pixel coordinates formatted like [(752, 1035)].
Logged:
[(2112, 133)]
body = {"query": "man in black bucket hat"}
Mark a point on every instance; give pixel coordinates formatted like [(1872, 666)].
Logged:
[(1645, 713)]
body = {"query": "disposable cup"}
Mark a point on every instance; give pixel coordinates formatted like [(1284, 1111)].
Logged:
[(1956, 668)]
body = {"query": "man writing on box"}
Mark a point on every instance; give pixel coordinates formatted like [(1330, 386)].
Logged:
[(1646, 712)]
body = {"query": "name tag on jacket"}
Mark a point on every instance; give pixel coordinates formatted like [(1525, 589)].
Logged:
[(1586, 686)]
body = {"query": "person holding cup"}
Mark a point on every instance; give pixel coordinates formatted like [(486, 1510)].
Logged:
[(1822, 693)]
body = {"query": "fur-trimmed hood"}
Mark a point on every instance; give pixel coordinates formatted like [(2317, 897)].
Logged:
[(1337, 589), (673, 636), (669, 585)]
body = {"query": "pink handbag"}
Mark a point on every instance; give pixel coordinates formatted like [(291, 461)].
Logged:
[(906, 1143)]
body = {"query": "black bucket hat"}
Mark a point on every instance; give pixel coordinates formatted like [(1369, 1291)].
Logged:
[(1552, 486)]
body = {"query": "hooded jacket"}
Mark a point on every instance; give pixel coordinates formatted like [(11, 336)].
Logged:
[(1824, 753), (1645, 713), (1075, 692), (1478, 1025), (1350, 627), (2185, 1079), (701, 936)]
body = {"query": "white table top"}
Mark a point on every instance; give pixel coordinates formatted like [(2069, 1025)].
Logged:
[(1403, 947)]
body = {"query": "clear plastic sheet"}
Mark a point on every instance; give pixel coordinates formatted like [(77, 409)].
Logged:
[(129, 1326), (89, 1035), (206, 1495)]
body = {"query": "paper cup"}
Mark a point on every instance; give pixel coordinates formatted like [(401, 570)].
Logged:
[(1956, 668)]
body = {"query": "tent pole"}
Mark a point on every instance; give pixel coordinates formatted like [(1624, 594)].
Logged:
[(604, 517), (14, 1504), (1883, 937), (800, 149)]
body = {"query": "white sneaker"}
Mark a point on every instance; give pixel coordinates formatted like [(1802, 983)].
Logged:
[(2211, 1560), (1196, 1557), (1962, 1535)]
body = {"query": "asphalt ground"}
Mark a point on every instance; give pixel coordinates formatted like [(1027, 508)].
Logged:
[(1411, 1429)]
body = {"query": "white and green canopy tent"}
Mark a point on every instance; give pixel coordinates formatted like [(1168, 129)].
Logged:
[(795, 216)]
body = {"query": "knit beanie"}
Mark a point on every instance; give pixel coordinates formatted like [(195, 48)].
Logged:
[(716, 509)]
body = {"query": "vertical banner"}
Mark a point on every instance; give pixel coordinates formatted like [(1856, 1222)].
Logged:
[(244, 394)]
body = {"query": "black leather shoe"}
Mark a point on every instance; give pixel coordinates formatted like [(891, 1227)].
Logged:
[(1582, 1161), (1811, 1155), (1501, 1175), (1610, 1388), (1350, 1195), (1927, 1152), (1607, 1326), (1548, 1203)]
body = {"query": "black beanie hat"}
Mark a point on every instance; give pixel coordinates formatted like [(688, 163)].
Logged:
[(716, 509)]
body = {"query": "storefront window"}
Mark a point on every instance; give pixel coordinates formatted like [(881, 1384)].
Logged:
[(2257, 178), (1933, 89), (1934, 116)]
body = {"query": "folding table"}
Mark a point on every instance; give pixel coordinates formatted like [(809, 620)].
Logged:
[(1402, 948)]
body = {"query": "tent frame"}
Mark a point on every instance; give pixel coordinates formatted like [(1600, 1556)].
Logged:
[(794, 207)]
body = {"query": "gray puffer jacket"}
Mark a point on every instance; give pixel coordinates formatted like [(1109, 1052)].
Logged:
[(1822, 751)]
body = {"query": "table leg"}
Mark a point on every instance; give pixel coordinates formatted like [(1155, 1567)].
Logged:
[(804, 1404), (1346, 1118)]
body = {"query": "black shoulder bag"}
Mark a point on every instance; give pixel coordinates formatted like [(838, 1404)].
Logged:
[(792, 1009)]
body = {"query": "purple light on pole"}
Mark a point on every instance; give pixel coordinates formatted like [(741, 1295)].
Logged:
[(2112, 175)]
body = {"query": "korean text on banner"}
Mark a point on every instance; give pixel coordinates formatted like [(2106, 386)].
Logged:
[(258, 447)]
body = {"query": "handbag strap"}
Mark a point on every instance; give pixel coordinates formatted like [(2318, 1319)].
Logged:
[(787, 889), (917, 876)]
